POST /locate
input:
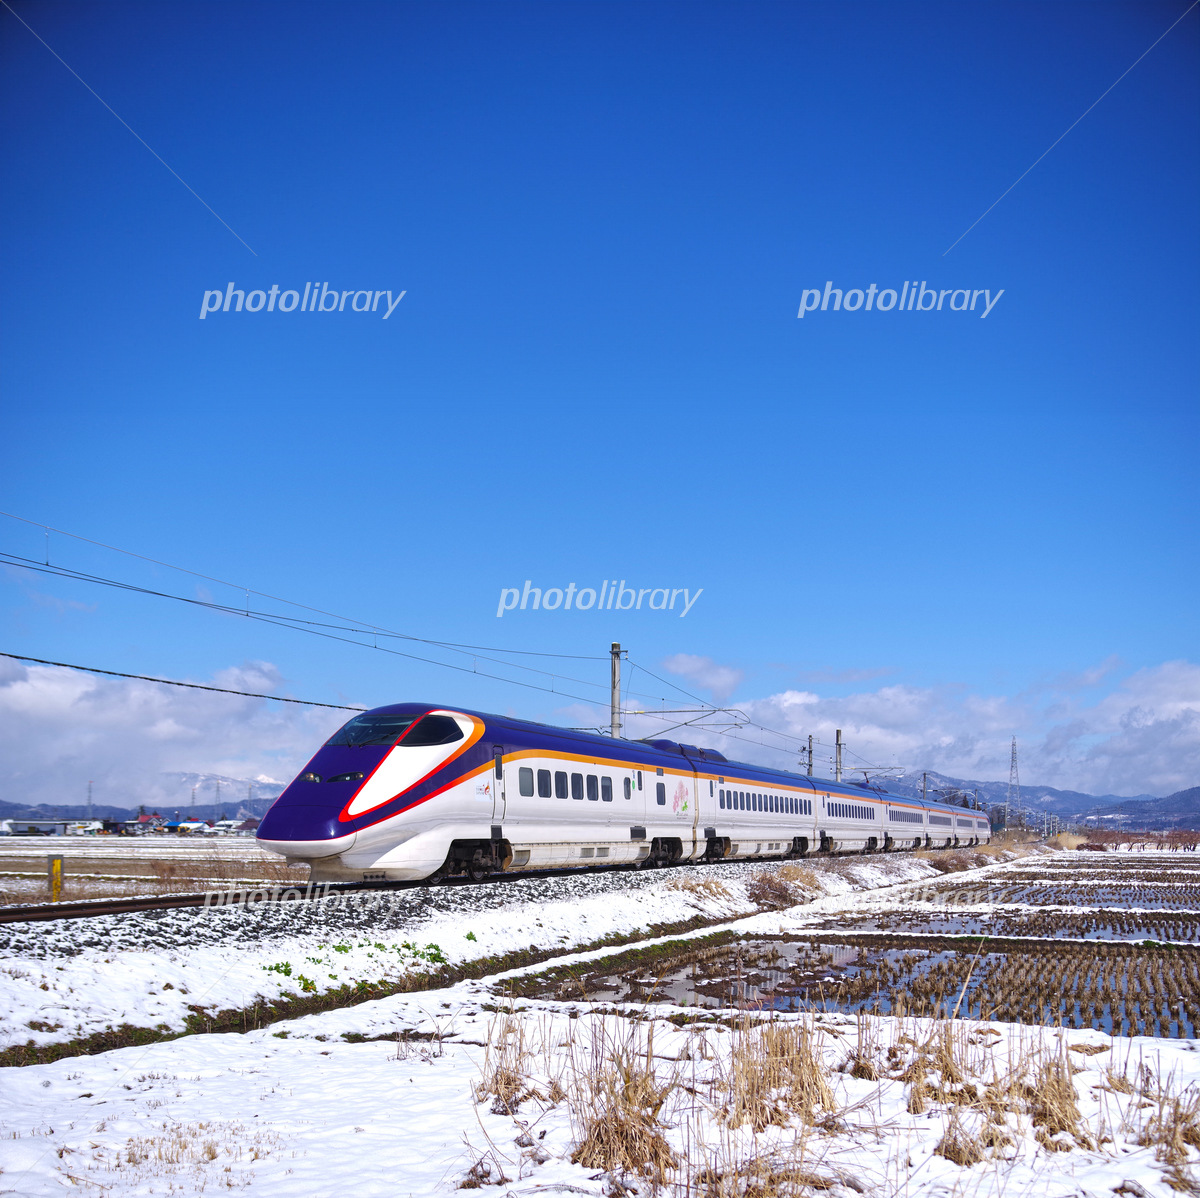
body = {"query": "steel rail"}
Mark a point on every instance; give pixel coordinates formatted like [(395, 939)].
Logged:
[(306, 891)]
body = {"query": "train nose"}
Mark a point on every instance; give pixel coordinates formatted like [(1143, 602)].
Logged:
[(301, 830)]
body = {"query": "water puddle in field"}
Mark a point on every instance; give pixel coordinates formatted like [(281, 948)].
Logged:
[(1182, 928), (1124, 988)]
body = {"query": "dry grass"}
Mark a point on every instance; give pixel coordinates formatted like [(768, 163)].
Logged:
[(1173, 1126), (774, 1072), (956, 1144), (507, 1065), (174, 1158), (767, 889), (756, 1117), (767, 1176), (799, 877), (616, 1100), (705, 887), (1054, 1106)]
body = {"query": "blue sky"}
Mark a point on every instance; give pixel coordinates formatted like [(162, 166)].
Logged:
[(603, 218)]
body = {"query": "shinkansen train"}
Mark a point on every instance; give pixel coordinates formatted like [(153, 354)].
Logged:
[(412, 792)]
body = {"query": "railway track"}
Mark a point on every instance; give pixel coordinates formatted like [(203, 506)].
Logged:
[(278, 893), (35, 913)]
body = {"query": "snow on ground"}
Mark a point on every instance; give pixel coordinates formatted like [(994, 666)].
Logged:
[(80, 977), (502, 1097), (304, 1116)]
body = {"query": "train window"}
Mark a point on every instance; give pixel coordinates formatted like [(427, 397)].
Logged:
[(741, 800), (525, 781), (372, 730), (433, 730), (661, 796), (577, 786), (628, 788), (606, 790), (659, 771), (710, 788), (593, 788), (544, 784), (639, 779), (560, 784), (721, 800)]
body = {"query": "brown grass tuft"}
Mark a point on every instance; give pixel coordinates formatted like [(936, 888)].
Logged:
[(615, 1103), (956, 1145), (767, 889), (774, 1072)]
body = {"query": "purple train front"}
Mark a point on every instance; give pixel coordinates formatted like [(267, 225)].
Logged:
[(413, 791)]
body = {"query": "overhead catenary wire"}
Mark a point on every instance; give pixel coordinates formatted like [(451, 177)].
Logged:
[(223, 690), (365, 628), (241, 588), (1071, 126), (128, 125), (328, 631)]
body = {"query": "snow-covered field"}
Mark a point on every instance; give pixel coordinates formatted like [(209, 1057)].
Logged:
[(460, 1085)]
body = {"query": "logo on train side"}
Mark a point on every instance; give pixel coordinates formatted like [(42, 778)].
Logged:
[(679, 800), (608, 596)]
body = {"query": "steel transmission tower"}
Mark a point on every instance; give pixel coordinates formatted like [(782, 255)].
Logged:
[(1013, 798)]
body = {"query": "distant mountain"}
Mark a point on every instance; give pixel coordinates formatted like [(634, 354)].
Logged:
[(1179, 810), (1066, 804), (215, 796)]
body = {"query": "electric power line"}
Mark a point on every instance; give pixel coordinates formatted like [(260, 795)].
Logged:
[(223, 690)]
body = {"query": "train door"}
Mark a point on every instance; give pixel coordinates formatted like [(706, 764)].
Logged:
[(498, 795), (699, 843)]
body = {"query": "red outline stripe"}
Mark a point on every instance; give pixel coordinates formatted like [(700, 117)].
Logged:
[(479, 729)]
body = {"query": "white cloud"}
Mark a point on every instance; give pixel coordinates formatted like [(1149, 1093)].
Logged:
[(720, 681), (59, 728), (1141, 736)]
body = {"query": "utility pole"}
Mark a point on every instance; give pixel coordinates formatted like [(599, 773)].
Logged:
[(838, 764), (810, 756), (615, 697), (218, 794), (924, 786), (89, 802), (192, 806)]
